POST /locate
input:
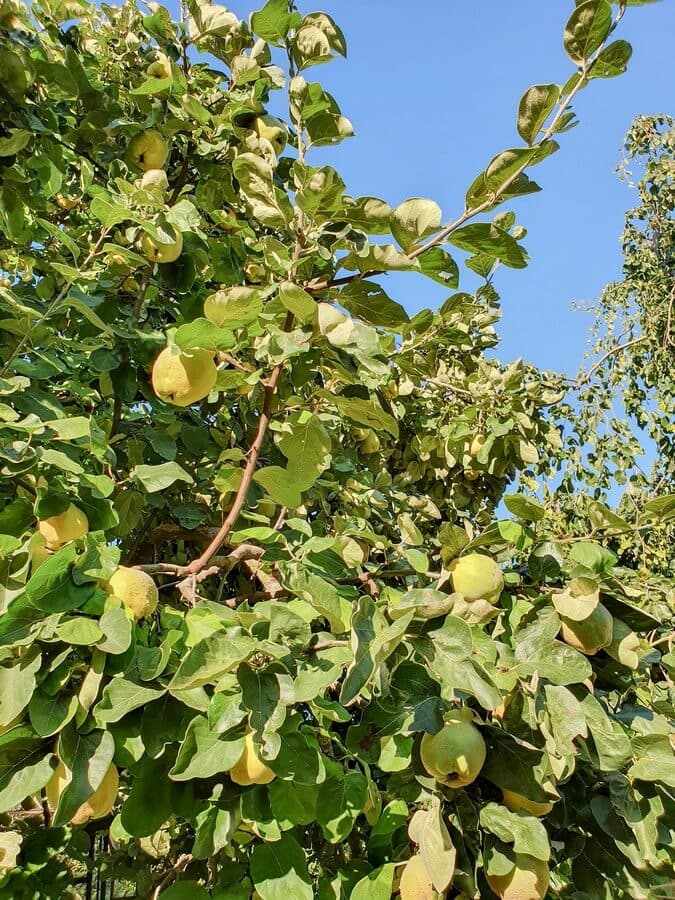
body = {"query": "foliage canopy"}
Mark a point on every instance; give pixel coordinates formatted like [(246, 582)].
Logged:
[(232, 606)]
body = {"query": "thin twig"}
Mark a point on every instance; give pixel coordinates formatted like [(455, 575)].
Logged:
[(142, 290), (281, 518), (181, 863), (580, 382)]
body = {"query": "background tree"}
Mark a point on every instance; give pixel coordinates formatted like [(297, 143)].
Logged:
[(626, 398), (261, 635)]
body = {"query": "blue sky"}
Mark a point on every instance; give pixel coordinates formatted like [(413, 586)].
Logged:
[(432, 88)]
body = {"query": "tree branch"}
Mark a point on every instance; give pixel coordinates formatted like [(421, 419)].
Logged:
[(468, 214), (584, 379)]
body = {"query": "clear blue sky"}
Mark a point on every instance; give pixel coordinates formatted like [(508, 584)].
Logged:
[(432, 88)]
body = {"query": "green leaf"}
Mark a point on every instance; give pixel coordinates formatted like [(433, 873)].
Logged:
[(79, 630), (372, 642), (556, 662), (17, 683), (611, 743), (586, 29), (367, 300), (654, 761), (210, 659), (159, 477), (435, 844), (661, 509), (279, 870), (201, 334), (273, 21), (52, 589), (526, 508), (265, 693), (306, 445), (525, 832), (415, 220), (293, 804), (438, 265), (364, 412), (25, 766), (493, 241), (578, 599), (297, 301), (149, 803), (593, 556), (376, 885), (48, 714), (268, 204), (210, 20), (502, 169), (121, 696), (116, 629), (15, 143), (205, 753), (281, 485), (339, 805), (88, 756), (612, 61), (535, 107)]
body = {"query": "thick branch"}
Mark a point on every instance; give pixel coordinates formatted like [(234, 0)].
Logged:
[(249, 470)]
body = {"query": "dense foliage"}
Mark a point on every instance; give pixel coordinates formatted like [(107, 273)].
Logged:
[(261, 633)]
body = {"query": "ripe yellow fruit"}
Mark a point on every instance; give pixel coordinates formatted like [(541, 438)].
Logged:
[(67, 202), (517, 803), (136, 589), (183, 378), (98, 805), (117, 259), (154, 178), (416, 883), (455, 755), (624, 645), (250, 769), (591, 634), (476, 444), (67, 526), (527, 880), (158, 252), (147, 150), (477, 577), (160, 68), (272, 129)]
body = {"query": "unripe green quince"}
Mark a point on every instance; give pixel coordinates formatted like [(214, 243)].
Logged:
[(158, 252), (591, 634), (454, 755), (13, 75), (183, 378), (147, 150), (477, 577)]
